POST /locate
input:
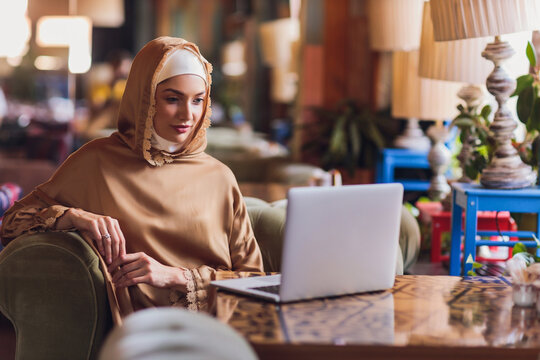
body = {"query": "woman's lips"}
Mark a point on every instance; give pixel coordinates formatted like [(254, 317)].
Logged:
[(181, 129)]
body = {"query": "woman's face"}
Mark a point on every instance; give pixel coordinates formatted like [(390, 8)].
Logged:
[(179, 106)]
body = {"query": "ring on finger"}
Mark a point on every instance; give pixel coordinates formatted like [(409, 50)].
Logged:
[(105, 236)]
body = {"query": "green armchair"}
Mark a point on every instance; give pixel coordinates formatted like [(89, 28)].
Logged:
[(53, 292)]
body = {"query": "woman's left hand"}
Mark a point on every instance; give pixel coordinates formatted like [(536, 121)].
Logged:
[(136, 268)]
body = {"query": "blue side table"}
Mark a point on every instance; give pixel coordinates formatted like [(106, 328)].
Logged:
[(389, 159), (472, 198)]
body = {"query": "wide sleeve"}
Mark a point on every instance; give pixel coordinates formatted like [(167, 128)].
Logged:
[(245, 256), (34, 213), (39, 211)]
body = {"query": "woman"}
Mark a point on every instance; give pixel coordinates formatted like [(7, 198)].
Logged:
[(163, 215)]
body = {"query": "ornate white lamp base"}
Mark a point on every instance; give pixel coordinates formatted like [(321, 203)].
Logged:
[(413, 137), (506, 170), (507, 175), (438, 157)]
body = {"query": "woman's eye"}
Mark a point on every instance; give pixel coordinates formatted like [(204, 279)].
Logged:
[(198, 100), (172, 99)]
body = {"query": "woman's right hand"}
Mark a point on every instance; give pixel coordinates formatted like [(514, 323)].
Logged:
[(104, 231)]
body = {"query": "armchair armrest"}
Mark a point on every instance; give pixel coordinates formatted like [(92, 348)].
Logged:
[(53, 292)]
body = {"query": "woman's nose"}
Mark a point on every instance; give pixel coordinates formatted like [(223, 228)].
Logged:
[(184, 111)]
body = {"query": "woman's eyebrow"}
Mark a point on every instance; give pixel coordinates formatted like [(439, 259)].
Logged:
[(181, 93)]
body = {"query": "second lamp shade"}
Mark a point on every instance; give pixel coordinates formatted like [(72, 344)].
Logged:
[(415, 97)]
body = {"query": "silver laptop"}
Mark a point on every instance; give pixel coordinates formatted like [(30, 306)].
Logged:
[(338, 240)]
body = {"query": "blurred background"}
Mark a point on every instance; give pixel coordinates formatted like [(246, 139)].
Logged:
[(300, 87), (277, 65)]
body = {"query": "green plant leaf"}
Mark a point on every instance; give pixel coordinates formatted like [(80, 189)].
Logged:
[(412, 209), (375, 135), (534, 120), (471, 171), (356, 142), (463, 122), (476, 265), (523, 82), (535, 152), (519, 248), (525, 104), (486, 111), (482, 136), (531, 54), (464, 115), (463, 136), (338, 146)]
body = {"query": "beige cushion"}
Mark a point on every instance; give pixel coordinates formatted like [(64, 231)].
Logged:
[(268, 221)]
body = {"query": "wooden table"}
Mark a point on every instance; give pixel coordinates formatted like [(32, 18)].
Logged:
[(421, 317)]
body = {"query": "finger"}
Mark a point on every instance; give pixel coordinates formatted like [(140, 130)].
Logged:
[(106, 240), (127, 274), (125, 269), (133, 278), (96, 236), (123, 260), (115, 239), (122, 239)]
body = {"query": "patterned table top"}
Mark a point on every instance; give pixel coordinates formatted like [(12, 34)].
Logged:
[(418, 311)]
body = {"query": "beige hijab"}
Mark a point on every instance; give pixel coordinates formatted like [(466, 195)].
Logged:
[(144, 76), (182, 209)]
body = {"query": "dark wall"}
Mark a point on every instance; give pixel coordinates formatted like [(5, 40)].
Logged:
[(105, 40)]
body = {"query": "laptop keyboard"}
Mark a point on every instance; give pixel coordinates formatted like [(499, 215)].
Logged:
[(273, 289)]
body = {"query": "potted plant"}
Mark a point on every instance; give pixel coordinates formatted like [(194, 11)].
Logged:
[(474, 137), (346, 138)]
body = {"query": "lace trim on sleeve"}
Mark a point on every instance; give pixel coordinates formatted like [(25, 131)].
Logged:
[(191, 296), (188, 300), (33, 220)]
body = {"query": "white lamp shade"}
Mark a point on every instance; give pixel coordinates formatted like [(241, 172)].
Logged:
[(233, 55), (415, 97), (394, 24), (461, 60), (104, 13), (15, 34), (277, 39), (15, 28), (62, 31), (79, 59), (284, 85), (463, 19)]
